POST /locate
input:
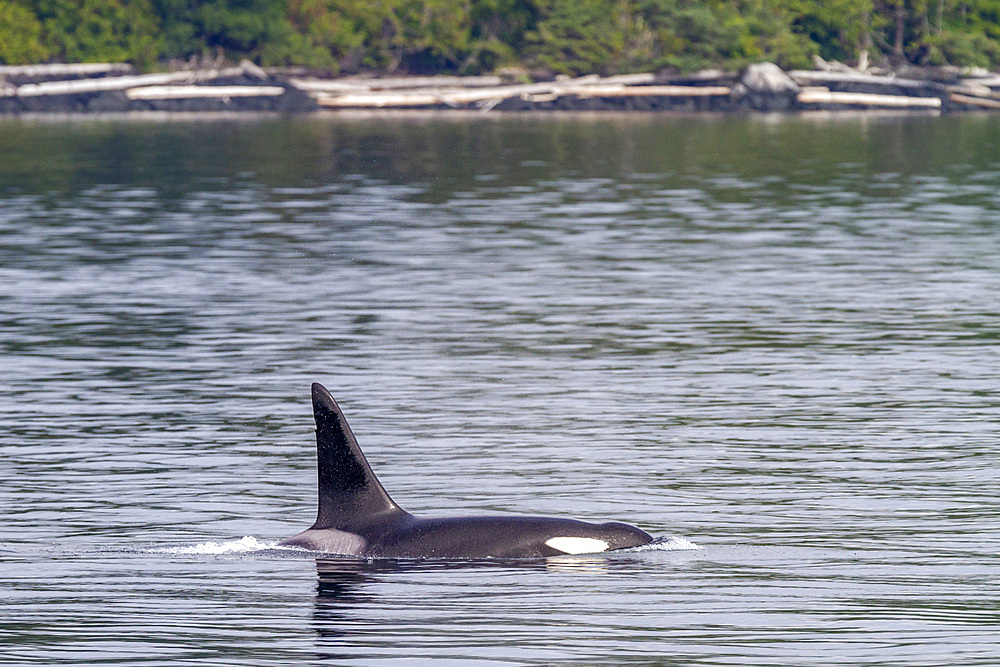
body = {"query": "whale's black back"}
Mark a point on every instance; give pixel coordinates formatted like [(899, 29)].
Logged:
[(350, 496)]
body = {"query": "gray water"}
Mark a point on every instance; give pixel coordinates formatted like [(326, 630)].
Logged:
[(772, 343)]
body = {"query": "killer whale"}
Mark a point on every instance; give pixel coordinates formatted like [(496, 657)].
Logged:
[(356, 516)]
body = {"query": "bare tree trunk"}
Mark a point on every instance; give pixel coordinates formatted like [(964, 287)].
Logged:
[(865, 41)]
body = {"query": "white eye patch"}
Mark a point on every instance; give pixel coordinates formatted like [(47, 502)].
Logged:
[(577, 545)]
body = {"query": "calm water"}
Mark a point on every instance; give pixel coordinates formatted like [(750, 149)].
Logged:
[(775, 339)]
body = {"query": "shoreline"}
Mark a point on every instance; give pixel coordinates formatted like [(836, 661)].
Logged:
[(96, 88), (459, 115)]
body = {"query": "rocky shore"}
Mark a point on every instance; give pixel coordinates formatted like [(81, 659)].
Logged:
[(115, 88)]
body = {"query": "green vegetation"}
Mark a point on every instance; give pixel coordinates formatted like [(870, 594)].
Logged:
[(473, 36)]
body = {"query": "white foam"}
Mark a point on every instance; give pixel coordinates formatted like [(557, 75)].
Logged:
[(668, 543), (250, 544), (247, 544)]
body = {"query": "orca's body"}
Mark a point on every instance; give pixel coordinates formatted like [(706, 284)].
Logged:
[(358, 518)]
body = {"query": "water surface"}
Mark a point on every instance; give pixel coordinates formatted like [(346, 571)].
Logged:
[(776, 339)]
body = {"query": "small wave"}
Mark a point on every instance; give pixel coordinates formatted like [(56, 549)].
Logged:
[(249, 544), (668, 543), (243, 545)]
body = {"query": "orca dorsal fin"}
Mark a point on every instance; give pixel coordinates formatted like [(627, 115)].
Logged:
[(349, 493)]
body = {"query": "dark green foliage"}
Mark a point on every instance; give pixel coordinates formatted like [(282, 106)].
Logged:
[(472, 36), (261, 30), (99, 30), (575, 36), (626, 35), (968, 34), (498, 31), (20, 35)]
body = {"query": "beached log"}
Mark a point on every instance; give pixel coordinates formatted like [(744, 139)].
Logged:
[(363, 100), (992, 81), (807, 77), (702, 75), (974, 91), (813, 96), (357, 84), (65, 69), (536, 98), (97, 85), (975, 101), (320, 86), (191, 92), (615, 79), (252, 70), (440, 81), (77, 86), (650, 91), (432, 97)]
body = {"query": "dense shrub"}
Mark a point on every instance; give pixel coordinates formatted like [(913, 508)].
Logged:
[(20, 35), (470, 36)]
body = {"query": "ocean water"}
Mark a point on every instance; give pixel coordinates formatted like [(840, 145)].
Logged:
[(772, 342)]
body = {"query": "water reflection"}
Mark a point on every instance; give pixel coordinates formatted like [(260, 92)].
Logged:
[(339, 590), (350, 591), (777, 334)]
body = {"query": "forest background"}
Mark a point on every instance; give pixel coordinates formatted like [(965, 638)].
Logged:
[(477, 36)]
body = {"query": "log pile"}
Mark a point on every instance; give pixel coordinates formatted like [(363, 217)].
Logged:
[(61, 71), (486, 97), (97, 87), (846, 89)]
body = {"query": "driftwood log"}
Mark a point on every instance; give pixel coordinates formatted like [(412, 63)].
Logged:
[(975, 101), (814, 96), (358, 84), (65, 69), (808, 77), (77, 86), (192, 92)]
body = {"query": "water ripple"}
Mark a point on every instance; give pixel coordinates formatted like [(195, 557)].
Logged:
[(775, 339)]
